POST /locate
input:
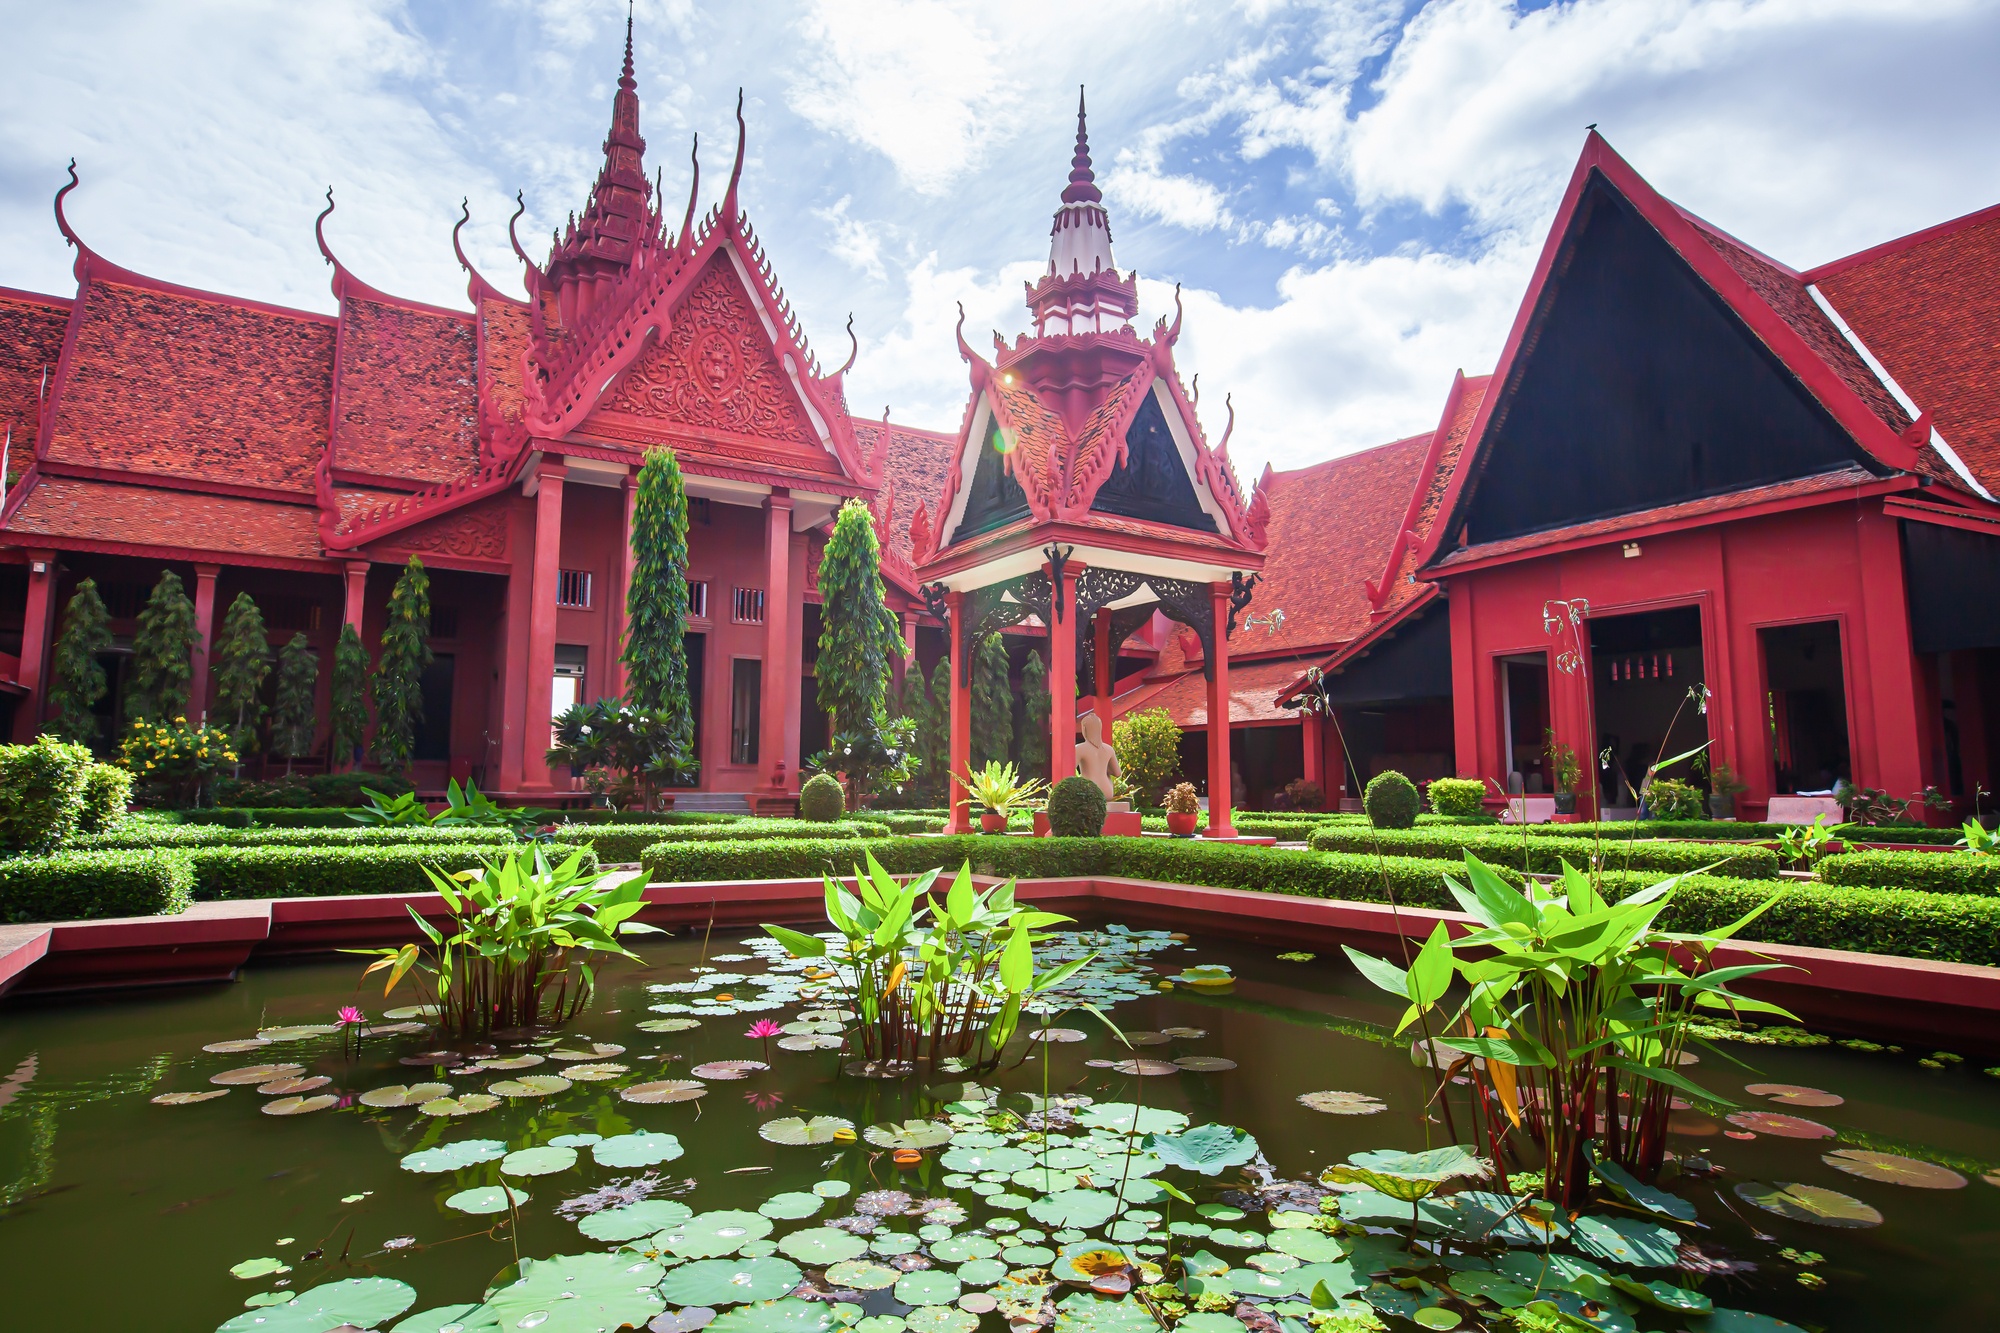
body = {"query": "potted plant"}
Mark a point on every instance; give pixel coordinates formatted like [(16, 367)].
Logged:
[(1565, 771), (1000, 791), (1182, 810), (1723, 789)]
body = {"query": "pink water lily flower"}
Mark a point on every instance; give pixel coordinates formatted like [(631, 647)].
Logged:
[(350, 1015), (763, 1030)]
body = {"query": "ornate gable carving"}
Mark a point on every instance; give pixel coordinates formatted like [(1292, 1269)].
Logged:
[(715, 369), (478, 532)]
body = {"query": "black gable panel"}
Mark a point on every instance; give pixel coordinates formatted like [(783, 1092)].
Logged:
[(1151, 483), (1640, 388), (995, 498), (1413, 664)]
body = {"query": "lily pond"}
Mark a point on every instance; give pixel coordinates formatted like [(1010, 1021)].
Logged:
[(233, 1158)]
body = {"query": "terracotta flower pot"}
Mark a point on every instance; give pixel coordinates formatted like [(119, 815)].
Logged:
[(1182, 826), (992, 821)]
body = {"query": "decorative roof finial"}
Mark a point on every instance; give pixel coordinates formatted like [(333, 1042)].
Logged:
[(694, 189), (62, 222), (853, 352), (735, 172), (625, 79), (319, 229), (464, 216), (1082, 183)]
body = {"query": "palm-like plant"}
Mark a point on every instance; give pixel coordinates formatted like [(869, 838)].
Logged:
[(1000, 789)]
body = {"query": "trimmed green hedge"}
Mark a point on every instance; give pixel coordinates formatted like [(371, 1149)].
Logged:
[(327, 872), (82, 886), (1545, 856), (1937, 872), (622, 843), (353, 835)]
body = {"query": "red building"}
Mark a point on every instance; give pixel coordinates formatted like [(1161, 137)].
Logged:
[(303, 457)]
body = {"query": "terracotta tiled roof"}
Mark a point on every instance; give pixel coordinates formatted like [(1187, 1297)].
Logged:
[(1253, 689), (913, 474), (31, 336), (1929, 310), (100, 511), (167, 383), (1103, 435), (352, 500), (1034, 437), (1840, 479), (1402, 587), (503, 341), (407, 403)]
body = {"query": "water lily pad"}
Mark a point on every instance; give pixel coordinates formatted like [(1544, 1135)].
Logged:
[(713, 1282), (818, 1246), (596, 1051), (412, 1011), (1342, 1103), (537, 1161), (472, 1103), (1626, 1240), (299, 1105), (1664, 1295), (595, 1073), (1313, 1247), (1204, 1064), (254, 1074), (1003, 1158), (363, 1302), (635, 1219), (1130, 1118), (1057, 1034), (299, 1031), (237, 1046), (486, 1199), (576, 1140), (811, 1041), (713, 1234), (1780, 1126), (1793, 1094), (664, 1090), (931, 1287), (981, 1272), (1624, 1183), (577, 1293), (889, 1244), (833, 1189), (729, 1069), (1083, 1312), (863, 1275), (1028, 1256), (1891, 1169), (640, 1148), (404, 1094), (1206, 1149), (1407, 1176), (1080, 1208), (455, 1156), (958, 1249), (434, 1319), (791, 1205), (941, 1319), (256, 1268), (189, 1098), (534, 1085), (1809, 1203), (908, 1134), (669, 1024), (291, 1087), (1144, 1068), (513, 1062), (1741, 1321), (780, 1316), (797, 1131)]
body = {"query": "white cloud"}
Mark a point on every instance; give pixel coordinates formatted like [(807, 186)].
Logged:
[(1181, 201), (916, 368), (853, 242)]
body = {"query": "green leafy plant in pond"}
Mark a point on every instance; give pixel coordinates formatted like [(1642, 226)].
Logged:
[(512, 954), (930, 980), (1580, 1009)]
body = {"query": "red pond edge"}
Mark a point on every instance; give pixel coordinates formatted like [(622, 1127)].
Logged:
[(1874, 995)]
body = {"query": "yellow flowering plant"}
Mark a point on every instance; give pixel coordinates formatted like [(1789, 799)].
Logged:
[(169, 761)]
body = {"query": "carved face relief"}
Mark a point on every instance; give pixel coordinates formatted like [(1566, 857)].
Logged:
[(716, 362)]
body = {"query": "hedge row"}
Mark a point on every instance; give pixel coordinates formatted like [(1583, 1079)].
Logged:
[(82, 886), (1718, 830), (328, 872), (1960, 928), (1938, 872), (1544, 855), (353, 835), (622, 843)]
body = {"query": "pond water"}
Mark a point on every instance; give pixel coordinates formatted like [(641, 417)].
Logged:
[(121, 1213)]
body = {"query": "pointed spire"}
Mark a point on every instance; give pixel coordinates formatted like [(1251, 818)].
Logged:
[(626, 83), (1082, 182)]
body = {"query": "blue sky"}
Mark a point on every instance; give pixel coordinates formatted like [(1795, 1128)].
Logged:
[(1352, 193)]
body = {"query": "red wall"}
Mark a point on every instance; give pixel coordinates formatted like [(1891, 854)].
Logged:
[(1839, 562)]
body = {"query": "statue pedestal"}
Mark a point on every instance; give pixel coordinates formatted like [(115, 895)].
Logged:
[(1117, 824), (1117, 807)]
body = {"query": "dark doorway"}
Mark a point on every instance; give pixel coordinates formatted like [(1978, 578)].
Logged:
[(433, 740), (746, 690), (1642, 667), (1524, 720), (695, 647), (1805, 693)]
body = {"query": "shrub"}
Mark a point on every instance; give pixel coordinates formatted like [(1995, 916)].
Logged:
[(327, 872), (1670, 799), (1076, 808), (821, 799), (1149, 750), (80, 886), (1938, 872), (169, 761), (1182, 800), (106, 793), (321, 791), (628, 843), (192, 835), (42, 786), (1545, 855), (1391, 800), (1458, 796), (1303, 795)]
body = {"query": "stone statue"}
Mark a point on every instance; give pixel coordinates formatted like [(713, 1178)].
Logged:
[(1095, 759)]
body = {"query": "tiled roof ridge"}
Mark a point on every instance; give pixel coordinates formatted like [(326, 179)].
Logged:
[(1936, 232), (380, 520)]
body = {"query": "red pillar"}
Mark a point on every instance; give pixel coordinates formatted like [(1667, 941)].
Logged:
[(541, 664), (780, 668), (1062, 672), (1333, 758), (357, 593), (204, 637), (511, 701), (1312, 745), (961, 716), (1219, 825), (1106, 672), (37, 631), (1882, 669), (619, 594)]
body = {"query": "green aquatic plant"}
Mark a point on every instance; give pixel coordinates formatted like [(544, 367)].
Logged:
[(513, 952)]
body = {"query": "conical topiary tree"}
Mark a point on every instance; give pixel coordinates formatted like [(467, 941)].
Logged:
[(295, 719), (992, 703), (857, 636), (163, 653), (399, 674), (350, 698), (79, 679), (242, 662), (1035, 731), (655, 656)]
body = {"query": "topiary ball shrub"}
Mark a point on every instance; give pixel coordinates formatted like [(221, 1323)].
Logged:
[(107, 791), (1391, 800), (1076, 809), (1458, 797), (821, 799)]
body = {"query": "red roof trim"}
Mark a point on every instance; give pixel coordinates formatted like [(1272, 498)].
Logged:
[(1910, 242), (164, 482), (1406, 532), (36, 298), (98, 546), (1981, 518)]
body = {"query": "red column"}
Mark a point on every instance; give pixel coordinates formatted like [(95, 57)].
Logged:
[(204, 636), (1106, 672), (1333, 760), (620, 594), (1219, 825), (541, 664), (1881, 669), (357, 593), (961, 716), (37, 631), (511, 699), (780, 670), (1312, 745), (1062, 673)]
